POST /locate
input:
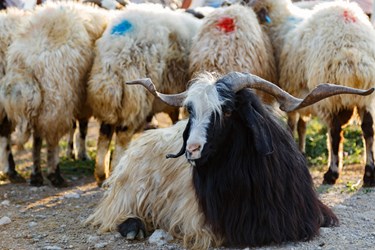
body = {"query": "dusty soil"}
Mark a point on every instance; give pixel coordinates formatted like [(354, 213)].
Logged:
[(51, 218)]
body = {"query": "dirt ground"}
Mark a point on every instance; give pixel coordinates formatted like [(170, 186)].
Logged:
[(50, 218)]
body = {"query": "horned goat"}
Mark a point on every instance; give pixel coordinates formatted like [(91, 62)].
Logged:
[(44, 89), (248, 184), (141, 41), (231, 39), (334, 42)]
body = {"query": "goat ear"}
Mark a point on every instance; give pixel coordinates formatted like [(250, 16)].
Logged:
[(185, 136), (261, 132)]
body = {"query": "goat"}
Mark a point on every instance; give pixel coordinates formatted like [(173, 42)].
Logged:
[(251, 182)]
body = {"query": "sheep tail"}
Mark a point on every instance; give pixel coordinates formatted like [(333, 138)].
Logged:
[(21, 96)]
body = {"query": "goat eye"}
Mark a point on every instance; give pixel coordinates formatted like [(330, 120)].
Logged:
[(189, 109), (227, 113)]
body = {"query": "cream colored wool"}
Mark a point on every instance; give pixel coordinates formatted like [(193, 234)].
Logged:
[(157, 190), (156, 47), (45, 86), (246, 49), (323, 46), (11, 22)]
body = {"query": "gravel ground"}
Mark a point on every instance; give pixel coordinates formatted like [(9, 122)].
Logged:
[(51, 218)]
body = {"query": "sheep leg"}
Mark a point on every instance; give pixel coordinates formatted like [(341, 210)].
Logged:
[(174, 114), (292, 121), (123, 137), (7, 164), (335, 144), (70, 150), (36, 178), (132, 228), (368, 134), (53, 172), (81, 140), (103, 153), (301, 129)]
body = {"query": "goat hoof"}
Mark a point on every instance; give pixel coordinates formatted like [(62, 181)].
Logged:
[(131, 235), (132, 228), (330, 177), (36, 179), (57, 180), (369, 177)]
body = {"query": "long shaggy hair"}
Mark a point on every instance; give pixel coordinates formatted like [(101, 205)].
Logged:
[(250, 187), (157, 190)]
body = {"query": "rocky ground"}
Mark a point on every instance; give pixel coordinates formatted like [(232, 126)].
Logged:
[(51, 218)]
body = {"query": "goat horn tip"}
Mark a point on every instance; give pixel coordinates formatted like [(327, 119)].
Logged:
[(369, 91)]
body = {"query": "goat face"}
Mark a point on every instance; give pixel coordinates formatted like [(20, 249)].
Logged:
[(216, 114)]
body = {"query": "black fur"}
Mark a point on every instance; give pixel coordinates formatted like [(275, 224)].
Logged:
[(251, 181), (11, 173), (131, 225)]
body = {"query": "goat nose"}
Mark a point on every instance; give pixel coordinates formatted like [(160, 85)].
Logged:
[(191, 148)]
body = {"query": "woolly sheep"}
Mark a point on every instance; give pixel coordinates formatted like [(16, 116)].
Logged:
[(231, 39), (143, 40), (11, 22), (335, 43), (196, 204), (44, 89)]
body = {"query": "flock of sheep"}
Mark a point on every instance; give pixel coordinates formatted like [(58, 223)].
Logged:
[(64, 62)]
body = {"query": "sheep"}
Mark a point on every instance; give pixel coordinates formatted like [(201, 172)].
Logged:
[(248, 184), (143, 40), (231, 39), (309, 51), (44, 89), (108, 4), (11, 22)]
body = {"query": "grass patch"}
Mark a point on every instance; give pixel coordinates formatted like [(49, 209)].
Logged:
[(77, 167), (316, 144)]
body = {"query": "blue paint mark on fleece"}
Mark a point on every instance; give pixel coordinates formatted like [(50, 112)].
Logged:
[(268, 19), (122, 28)]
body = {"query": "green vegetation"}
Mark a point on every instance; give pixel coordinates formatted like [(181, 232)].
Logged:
[(316, 144)]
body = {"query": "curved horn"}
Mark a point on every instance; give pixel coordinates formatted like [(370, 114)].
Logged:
[(287, 102), (176, 100)]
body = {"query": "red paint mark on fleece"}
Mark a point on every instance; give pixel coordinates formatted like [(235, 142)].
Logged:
[(226, 24), (349, 16)]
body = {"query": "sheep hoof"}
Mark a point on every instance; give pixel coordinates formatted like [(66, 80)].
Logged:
[(16, 178), (369, 177), (132, 228), (13, 177), (99, 179), (57, 180), (84, 157), (330, 177), (36, 179), (70, 155)]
